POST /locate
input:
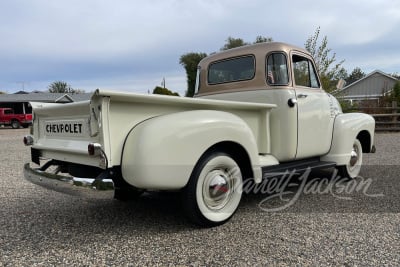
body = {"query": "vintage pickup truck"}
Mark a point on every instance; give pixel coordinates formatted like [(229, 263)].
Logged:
[(258, 109)]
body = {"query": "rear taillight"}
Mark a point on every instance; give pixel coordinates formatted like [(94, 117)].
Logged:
[(29, 117), (28, 140), (94, 149)]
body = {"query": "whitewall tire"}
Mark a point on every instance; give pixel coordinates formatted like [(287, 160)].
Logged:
[(214, 190), (353, 167)]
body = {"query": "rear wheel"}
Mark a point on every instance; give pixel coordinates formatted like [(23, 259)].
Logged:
[(15, 124), (353, 167), (214, 190)]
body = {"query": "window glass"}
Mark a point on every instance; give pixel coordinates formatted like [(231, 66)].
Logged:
[(197, 86), (231, 70), (277, 73), (8, 111), (313, 76), (304, 72)]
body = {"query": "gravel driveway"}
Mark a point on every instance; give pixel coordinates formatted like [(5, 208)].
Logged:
[(42, 228)]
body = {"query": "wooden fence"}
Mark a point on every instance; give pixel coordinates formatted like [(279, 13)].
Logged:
[(386, 118)]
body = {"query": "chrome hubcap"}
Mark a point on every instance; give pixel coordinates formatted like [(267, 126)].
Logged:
[(354, 156), (217, 189)]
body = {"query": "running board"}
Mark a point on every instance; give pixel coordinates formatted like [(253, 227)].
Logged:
[(298, 167)]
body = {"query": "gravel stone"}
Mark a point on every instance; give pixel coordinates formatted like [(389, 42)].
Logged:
[(39, 227)]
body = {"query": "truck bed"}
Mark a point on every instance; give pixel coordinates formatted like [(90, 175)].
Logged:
[(63, 132)]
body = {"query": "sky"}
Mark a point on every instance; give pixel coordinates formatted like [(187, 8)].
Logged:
[(132, 45)]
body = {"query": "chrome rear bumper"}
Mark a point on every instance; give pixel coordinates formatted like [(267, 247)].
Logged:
[(88, 188)]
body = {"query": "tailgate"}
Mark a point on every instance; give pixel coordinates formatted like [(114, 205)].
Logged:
[(64, 131)]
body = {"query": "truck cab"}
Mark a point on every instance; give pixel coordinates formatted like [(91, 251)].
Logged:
[(302, 124)]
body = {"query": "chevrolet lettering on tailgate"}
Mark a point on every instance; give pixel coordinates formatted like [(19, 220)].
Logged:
[(75, 128)]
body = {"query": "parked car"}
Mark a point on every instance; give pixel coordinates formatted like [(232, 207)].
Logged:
[(8, 117)]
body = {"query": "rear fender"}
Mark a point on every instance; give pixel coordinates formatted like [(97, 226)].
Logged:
[(160, 153)]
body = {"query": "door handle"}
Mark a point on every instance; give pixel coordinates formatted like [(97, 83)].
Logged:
[(301, 96), (291, 102)]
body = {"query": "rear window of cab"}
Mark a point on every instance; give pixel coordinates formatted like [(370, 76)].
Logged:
[(232, 70)]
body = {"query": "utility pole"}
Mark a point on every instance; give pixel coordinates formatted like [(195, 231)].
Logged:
[(23, 85), (163, 83)]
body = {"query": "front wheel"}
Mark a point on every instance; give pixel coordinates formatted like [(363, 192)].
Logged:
[(214, 190), (352, 168)]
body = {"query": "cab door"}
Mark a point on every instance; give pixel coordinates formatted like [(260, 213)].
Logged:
[(315, 123)]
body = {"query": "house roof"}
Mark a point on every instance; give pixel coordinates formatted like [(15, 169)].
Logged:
[(366, 77), (44, 97), (372, 85)]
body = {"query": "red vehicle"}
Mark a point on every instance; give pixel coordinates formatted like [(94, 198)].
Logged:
[(8, 117)]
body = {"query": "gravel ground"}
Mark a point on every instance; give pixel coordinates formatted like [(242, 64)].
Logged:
[(44, 228)]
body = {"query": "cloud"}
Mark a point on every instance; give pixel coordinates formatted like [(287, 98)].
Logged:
[(138, 42)]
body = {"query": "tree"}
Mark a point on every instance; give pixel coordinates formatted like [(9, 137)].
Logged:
[(60, 87), (78, 91), (396, 75), (355, 75), (63, 87), (329, 70), (396, 92), (1, 92), (190, 61), (233, 43), (238, 42), (262, 39), (394, 95), (164, 91)]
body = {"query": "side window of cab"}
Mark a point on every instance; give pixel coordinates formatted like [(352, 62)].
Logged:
[(304, 72), (277, 70)]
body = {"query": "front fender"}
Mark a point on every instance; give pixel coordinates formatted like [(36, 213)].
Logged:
[(347, 127), (160, 153)]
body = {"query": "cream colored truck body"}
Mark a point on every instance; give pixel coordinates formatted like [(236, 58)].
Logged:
[(155, 139), (256, 108)]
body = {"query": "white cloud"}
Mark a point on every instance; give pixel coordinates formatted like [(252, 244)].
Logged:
[(109, 42)]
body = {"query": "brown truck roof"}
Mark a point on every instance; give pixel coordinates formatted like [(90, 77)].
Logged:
[(259, 51)]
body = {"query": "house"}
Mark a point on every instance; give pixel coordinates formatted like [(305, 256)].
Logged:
[(368, 89), (20, 101)]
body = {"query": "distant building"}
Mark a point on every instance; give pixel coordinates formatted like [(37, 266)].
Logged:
[(370, 88), (20, 101)]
